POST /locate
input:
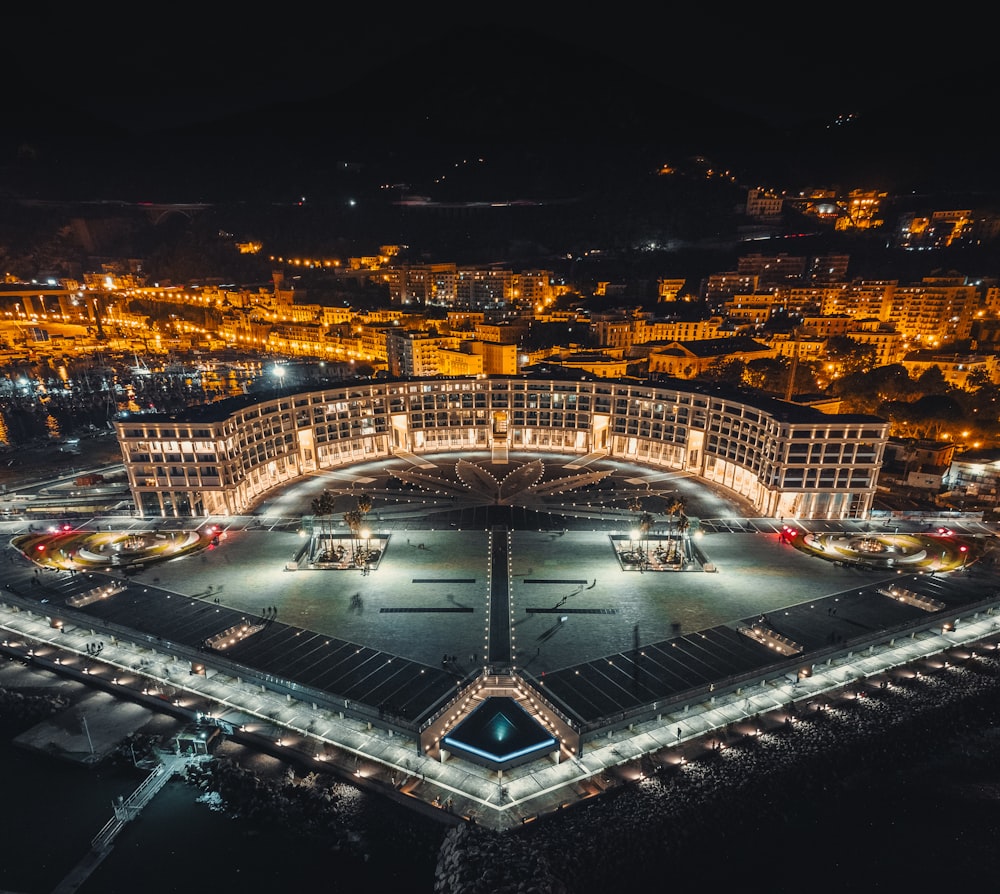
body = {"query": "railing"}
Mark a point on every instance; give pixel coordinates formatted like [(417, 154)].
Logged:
[(780, 668)]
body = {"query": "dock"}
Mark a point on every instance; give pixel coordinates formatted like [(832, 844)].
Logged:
[(125, 810)]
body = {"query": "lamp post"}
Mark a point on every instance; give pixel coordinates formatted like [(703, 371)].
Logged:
[(86, 729)]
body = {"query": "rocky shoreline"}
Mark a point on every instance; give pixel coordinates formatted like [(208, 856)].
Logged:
[(937, 734), (938, 726)]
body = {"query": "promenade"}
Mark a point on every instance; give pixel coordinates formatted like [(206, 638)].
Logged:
[(423, 614)]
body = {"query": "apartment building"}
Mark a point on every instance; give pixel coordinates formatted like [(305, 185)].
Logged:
[(668, 290), (603, 365), (412, 353), (886, 341), (787, 460), (772, 269), (861, 210), (533, 288), (826, 326), (860, 299), (934, 311), (763, 204), (647, 330), (726, 284), (506, 333), (419, 285), (459, 359), (498, 359), (480, 289), (956, 368), (753, 308)]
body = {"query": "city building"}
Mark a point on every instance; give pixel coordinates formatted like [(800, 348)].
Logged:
[(935, 310), (764, 204), (974, 475), (687, 360), (785, 459), (955, 368)]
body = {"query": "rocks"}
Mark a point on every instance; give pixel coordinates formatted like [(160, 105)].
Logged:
[(21, 709), (473, 860)]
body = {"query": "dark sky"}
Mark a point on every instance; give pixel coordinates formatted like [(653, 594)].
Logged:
[(186, 66), (178, 66)]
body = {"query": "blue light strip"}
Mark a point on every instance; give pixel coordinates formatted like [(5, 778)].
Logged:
[(498, 758)]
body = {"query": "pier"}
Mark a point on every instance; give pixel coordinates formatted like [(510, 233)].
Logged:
[(125, 810)]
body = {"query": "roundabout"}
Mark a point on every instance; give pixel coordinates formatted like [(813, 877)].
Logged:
[(928, 552), (68, 549)]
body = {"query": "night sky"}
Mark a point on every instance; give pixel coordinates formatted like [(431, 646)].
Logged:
[(145, 91)]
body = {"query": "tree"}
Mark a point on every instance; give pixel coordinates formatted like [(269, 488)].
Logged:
[(677, 519), (903, 422), (322, 508), (769, 374), (937, 413), (364, 507), (645, 523), (675, 507), (354, 519), (932, 381), (849, 355), (865, 392), (980, 399), (727, 370)]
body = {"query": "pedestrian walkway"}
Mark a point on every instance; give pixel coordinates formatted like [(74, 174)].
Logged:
[(350, 675), (393, 762), (125, 810)]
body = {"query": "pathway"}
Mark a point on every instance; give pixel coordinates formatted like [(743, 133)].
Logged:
[(126, 810)]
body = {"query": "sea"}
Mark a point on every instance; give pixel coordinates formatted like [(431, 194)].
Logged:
[(933, 820), (877, 835), (183, 842)]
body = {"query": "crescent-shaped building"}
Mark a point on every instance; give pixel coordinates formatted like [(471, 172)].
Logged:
[(786, 459)]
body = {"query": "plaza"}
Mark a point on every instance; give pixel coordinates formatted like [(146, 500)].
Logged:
[(372, 667)]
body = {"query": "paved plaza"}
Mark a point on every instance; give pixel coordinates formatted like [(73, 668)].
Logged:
[(423, 607)]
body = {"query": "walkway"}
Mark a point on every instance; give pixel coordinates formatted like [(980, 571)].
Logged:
[(124, 812), (500, 655), (327, 739), (343, 668)]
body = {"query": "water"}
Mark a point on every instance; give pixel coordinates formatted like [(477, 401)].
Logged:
[(52, 810), (837, 822), (180, 843)]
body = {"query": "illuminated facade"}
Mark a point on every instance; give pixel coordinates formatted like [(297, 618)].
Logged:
[(787, 460)]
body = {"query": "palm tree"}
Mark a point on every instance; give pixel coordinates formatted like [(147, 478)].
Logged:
[(322, 508), (676, 512), (683, 523), (676, 507), (353, 519), (644, 523), (364, 507)]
